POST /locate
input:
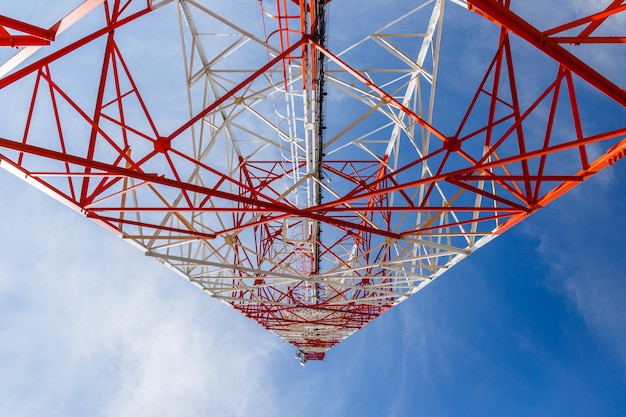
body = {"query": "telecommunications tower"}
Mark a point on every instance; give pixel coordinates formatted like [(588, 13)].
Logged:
[(311, 163)]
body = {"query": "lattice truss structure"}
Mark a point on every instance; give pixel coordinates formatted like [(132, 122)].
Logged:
[(291, 164)]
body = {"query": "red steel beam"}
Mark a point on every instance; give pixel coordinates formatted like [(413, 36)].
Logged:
[(21, 40), (46, 35), (593, 20), (550, 47), (9, 79), (74, 16), (258, 205)]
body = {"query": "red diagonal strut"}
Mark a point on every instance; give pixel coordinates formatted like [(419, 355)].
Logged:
[(550, 47)]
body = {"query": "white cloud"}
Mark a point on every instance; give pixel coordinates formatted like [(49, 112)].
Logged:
[(88, 324), (584, 250)]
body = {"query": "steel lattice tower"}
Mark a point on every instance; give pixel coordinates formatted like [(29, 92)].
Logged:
[(295, 165)]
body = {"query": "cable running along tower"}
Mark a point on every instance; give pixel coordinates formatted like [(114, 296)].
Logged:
[(297, 164)]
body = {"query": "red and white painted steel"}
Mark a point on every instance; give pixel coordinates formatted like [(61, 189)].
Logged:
[(297, 169)]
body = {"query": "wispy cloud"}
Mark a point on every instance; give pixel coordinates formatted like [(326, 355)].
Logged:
[(589, 274), (88, 324)]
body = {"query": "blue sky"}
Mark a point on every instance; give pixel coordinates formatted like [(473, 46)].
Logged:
[(532, 324)]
